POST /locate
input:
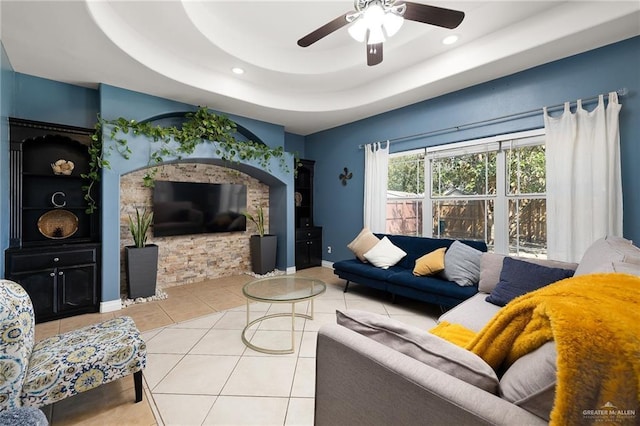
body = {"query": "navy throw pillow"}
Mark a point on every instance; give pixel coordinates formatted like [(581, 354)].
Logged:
[(519, 277)]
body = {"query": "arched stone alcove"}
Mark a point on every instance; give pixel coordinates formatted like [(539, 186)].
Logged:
[(280, 183), (190, 258)]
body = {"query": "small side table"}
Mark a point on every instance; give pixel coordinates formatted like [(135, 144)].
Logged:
[(280, 289)]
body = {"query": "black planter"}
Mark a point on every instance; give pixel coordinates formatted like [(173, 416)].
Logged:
[(263, 253), (142, 270)]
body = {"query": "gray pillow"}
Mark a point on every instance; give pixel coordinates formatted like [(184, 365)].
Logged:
[(462, 264), (490, 267), (531, 381), (422, 346)]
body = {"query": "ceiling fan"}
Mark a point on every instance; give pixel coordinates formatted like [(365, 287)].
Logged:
[(372, 20)]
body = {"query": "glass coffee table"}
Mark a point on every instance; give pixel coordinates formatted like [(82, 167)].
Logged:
[(281, 289)]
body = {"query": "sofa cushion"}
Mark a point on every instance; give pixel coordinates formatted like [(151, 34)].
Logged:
[(362, 243), (79, 360), (431, 284), (354, 266), (473, 313), (491, 266), (423, 346), (607, 250), (384, 254), (430, 263), (531, 381), (462, 264), (518, 278)]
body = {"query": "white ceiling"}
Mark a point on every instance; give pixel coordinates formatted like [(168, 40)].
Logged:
[(184, 50)]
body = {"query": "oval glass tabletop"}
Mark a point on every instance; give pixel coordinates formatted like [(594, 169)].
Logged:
[(283, 289)]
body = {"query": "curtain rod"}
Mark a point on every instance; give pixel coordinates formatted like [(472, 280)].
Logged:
[(621, 92)]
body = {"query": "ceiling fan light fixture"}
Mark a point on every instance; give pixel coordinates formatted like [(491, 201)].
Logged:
[(375, 35), (373, 15), (373, 21), (358, 30), (392, 23)]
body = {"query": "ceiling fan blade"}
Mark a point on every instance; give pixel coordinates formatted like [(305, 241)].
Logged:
[(447, 18), (374, 54), (324, 31)]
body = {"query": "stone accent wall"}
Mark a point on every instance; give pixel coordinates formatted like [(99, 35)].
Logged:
[(191, 258)]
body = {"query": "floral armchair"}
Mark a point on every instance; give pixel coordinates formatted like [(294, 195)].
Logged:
[(64, 365)]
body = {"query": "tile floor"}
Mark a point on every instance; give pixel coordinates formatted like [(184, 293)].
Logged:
[(200, 373)]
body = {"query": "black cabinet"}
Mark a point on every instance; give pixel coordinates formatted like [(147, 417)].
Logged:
[(60, 282), (304, 194), (308, 247), (308, 236), (53, 241)]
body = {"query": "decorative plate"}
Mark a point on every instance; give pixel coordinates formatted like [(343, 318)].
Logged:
[(58, 224)]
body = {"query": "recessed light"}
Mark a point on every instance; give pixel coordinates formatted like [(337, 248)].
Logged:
[(237, 70), (450, 39)]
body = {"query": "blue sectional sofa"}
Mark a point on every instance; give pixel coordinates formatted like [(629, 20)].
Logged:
[(399, 279)]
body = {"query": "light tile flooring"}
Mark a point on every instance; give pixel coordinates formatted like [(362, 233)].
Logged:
[(200, 373)]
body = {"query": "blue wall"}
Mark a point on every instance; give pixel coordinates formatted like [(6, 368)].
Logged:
[(7, 78), (48, 100), (294, 144), (339, 208)]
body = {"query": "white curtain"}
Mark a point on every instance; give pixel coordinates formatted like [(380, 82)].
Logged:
[(376, 165), (584, 185)]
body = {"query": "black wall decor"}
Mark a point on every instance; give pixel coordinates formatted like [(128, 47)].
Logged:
[(345, 176)]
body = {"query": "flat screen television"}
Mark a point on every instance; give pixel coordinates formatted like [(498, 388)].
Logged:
[(184, 208)]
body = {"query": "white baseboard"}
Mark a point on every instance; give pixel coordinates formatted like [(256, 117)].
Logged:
[(110, 306), (290, 270), (327, 264)]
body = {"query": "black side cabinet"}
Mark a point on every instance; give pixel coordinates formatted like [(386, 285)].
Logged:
[(54, 244), (308, 236), (308, 247), (60, 282)]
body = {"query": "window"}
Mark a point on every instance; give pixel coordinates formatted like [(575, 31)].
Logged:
[(491, 190), (405, 195)]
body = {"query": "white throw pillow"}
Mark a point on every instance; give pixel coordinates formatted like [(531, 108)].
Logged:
[(384, 254)]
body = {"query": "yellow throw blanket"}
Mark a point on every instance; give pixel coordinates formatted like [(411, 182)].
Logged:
[(595, 323)]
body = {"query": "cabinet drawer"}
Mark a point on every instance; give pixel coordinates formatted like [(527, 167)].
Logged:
[(35, 261), (308, 233)]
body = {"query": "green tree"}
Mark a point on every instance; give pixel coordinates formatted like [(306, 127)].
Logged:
[(406, 173), (527, 170), (469, 174)]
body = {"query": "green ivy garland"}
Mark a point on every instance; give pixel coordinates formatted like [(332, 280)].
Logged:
[(199, 127)]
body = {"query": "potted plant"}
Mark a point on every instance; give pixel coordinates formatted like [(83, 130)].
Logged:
[(141, 258), (262, 246)]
